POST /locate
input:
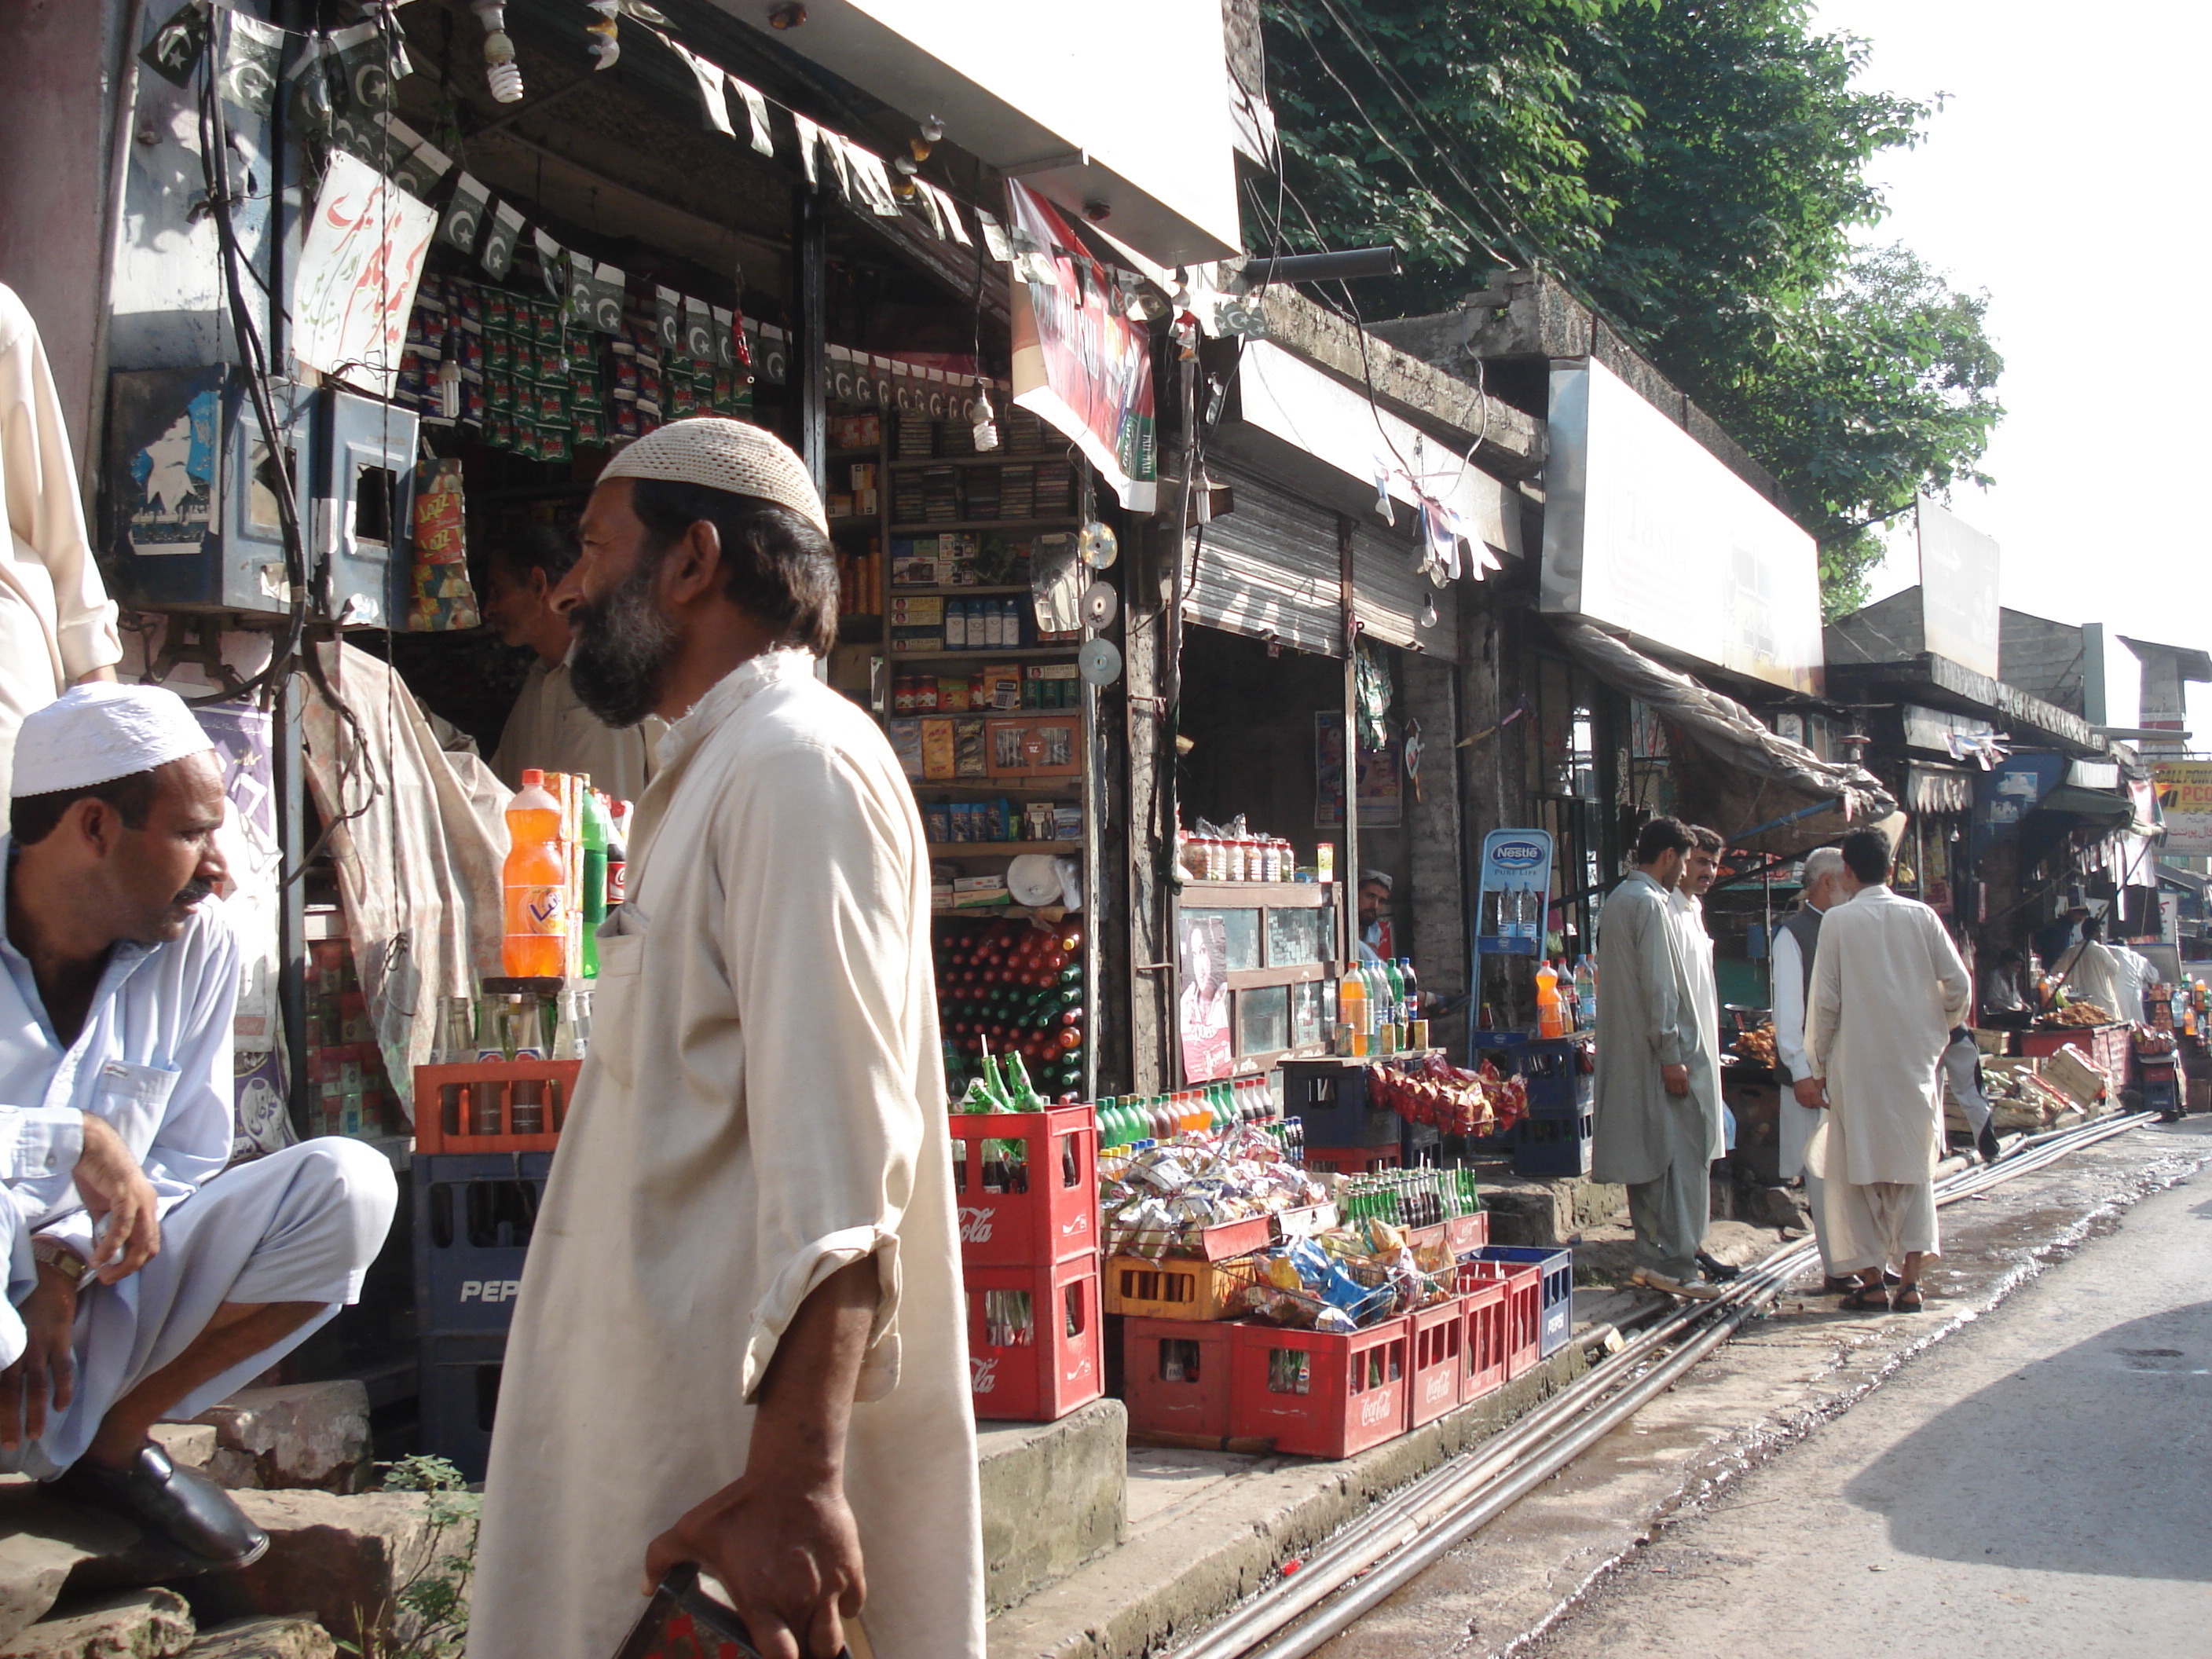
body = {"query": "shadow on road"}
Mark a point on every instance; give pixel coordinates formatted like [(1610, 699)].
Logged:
[(2096, 1460)]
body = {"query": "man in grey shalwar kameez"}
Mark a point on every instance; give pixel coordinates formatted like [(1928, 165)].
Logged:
[(1654, 1130)]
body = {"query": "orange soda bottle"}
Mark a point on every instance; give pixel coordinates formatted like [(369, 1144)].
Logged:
[(536, 880)]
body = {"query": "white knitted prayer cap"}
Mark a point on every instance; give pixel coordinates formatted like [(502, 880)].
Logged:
[(726, 455), (98, 733)]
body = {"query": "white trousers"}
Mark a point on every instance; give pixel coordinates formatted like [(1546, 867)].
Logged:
[(1816, 1202), (1878, 1225), (301, 1224)]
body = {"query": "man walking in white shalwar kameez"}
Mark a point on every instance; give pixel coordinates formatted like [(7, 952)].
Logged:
[(740, 1341), (1888, 988), (145, 1280)]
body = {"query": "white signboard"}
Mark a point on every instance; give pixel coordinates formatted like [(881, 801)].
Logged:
[(1958, 589), (358, 268), (1646, 530)]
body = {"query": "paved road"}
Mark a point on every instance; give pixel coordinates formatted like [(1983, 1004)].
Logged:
[(2039, 1484)]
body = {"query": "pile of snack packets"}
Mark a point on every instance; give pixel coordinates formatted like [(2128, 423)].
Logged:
[(1348, 1278), (1159, 1199)]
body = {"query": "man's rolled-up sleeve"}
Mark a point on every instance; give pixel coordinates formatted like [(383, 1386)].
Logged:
[(817, 873)]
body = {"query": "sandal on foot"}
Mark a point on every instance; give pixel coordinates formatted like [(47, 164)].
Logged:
[(1867, 1298), (1907, 1300)]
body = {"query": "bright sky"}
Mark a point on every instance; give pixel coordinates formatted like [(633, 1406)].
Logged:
[(2062, 178)]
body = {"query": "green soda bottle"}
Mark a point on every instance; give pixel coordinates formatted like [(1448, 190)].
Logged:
[(596, 829)]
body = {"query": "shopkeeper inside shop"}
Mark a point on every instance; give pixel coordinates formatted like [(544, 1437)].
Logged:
[(1375, 936), (527, 596)]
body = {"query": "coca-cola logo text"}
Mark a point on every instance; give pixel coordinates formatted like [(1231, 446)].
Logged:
[(976, 1225), (1375, 1407), (982, 1375)]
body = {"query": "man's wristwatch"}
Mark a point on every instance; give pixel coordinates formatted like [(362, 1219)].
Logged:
[(62, 1257)]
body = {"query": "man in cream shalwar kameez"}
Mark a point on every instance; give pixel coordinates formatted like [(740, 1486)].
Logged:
[(1655, 1128), (763, 1106), (1888, 987)]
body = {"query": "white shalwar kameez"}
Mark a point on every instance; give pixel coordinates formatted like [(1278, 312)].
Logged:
[(763, 1105), (1796, 1123), (57, 623), (153, 1058), (1888, 986), (1702, 987), (2098, 974)]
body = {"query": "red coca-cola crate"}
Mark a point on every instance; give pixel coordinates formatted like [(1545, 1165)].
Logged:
[(1175, 1376), (1029, 1210), (1033, 1340), (475, 1108), (1439, 1338), (1463, 1233), (1318, 1393), (1524, 1307), (1487, 1344)]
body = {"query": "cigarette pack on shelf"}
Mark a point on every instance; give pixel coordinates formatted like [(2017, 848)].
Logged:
[(1558, 1072), (1554, 1145), (1437, 1336), (493, 1105), (1319, 1394), (459, 1383), (1027, 1185), (1033, 1340), (1178, 1288), (473, 1216), (1175, 1376), (1487, 1345), (1331, 1096), (1557, 1304)]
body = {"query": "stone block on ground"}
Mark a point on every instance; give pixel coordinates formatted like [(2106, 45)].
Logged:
[(41, 1543), (1055, 1495), (346, 1559), (189, 1445), (265, 1639), (1548, 1213), (147, 1624), (309, 1436)]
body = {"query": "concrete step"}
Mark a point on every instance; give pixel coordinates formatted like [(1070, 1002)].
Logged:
[(1053, 1496)]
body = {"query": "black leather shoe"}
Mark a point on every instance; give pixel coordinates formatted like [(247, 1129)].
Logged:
[(1717, 1271), (1985, 1143), (181, 1507)]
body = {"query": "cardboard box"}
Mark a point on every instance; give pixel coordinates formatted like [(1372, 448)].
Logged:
[(1002, 686), (936, 750), (970, 759)]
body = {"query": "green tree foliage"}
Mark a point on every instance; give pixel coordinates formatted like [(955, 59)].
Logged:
[(1697, 169)]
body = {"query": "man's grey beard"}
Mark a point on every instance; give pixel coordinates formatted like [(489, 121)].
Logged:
[(623, 645)]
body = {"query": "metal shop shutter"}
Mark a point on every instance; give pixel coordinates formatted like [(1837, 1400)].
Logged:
[(1270, 568), (1388, 590)]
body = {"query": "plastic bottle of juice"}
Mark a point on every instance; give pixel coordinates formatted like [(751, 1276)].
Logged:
[(597, 835), (1351, 1012), (536, 881), (1551, 1019)]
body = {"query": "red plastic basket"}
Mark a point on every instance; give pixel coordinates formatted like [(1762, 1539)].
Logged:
[(1439, 1337), (1487, 1343), (1524, 1308), (1175, 1376), (456, 1106), (1466, 1232), (1030, 1211), (1033, 1340), (1354, 1388)]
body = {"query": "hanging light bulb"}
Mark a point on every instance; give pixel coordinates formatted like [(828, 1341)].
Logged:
[(1428, 610), (906, 165), (986, 420), (500, 72), (449, 387), (932, 130)]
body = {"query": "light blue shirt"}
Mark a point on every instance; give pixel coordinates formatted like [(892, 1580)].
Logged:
[(154, 1058)]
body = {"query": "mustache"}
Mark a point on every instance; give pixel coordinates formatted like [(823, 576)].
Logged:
[(192, 892)]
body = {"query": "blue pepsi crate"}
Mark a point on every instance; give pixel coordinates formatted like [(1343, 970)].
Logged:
[(459, 1383), (1557, 1071), (2162, 1095), (474, 1213), (1554, 1145), (1557, 1305)]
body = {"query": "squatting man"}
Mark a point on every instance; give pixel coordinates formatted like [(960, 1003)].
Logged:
[(145, 1280)]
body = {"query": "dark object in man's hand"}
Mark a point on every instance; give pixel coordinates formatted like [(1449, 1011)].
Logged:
[(682, 1621)]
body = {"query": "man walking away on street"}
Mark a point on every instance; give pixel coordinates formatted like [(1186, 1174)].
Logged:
[(1889, 989), (1654, 1133), (1701, 866), (1795, 944)]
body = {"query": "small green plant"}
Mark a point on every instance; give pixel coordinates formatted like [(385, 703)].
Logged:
[(435, 1601)]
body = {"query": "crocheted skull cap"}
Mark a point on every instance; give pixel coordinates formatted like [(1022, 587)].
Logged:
[(98, 733), (726, 455)]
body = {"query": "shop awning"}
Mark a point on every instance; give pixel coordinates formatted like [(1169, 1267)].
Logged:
[(1790, 773), (2091, 806)]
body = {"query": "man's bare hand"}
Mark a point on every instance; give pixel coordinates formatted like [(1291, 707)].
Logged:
[(1810, 1092), (788, 1553), (116, 1190), (44, 1378), (1676, 1078)]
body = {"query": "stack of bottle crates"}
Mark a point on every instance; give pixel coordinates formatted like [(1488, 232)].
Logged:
[(1026, 1187), (1556, 1137)]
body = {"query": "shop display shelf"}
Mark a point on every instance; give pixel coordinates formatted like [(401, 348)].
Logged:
[(994, 458), (459, 1383), (1045, 1207), (1319, 1394), (1065, 521), (972, 849), (1437, 1338), (995, 653), (1175, 1376), (452, 1101), (474, 1213), (1524, 1305), (1033, 1351), (1486, 1346), (976, 591), (1178, 1287)]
